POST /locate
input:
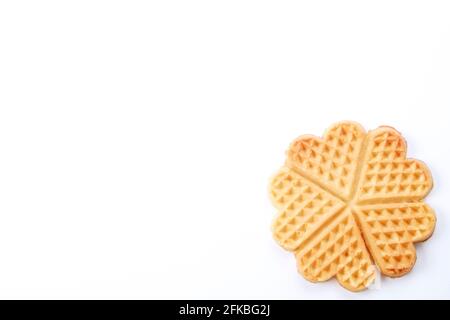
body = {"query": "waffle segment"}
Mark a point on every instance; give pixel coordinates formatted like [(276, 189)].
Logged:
[(304, 208), (330, 162), (387, 175), (391, 230), (338, 250)]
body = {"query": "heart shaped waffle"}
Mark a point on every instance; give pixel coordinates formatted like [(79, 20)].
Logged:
[(349, 200)]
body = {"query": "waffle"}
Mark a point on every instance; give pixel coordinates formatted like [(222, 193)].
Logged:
[(349, 201)]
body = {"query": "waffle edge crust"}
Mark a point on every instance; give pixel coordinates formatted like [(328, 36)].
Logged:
[(349, 201)]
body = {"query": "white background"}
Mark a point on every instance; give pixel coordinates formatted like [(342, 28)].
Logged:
[(137, 138)]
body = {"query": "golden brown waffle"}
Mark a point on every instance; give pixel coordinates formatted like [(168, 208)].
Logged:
[(351, 199)]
